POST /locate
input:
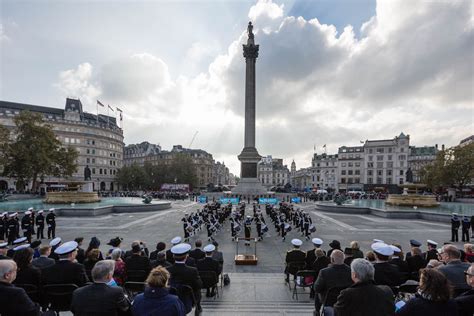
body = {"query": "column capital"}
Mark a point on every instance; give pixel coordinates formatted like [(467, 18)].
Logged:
[(250, 51)]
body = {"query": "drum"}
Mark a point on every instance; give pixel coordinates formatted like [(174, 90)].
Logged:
[(264, 229), (189, 229), (288, 227), (312, 228), (237, 228)]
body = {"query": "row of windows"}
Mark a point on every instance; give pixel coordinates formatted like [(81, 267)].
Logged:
[(380, 181), (380, 172), (389, 164), (381, 150), (350, 172), (104, 171), (350, 164), (350, 180)]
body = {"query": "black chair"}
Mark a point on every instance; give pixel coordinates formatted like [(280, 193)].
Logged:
[(31, 290), (304, 279), (330, 298), (292, 268), (134, 288), (209, 280), (136, 275), (186, 295), (89, 274), (58, 297)]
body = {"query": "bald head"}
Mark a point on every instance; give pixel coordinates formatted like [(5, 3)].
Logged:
[(337, 257), (7, 271)]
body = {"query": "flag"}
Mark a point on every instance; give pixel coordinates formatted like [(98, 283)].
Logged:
[(99, 103), (324, 146), (121, 118), (118, 110), (314, 147), (110, 108)]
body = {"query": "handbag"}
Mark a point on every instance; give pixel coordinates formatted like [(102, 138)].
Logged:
[(226, 279)]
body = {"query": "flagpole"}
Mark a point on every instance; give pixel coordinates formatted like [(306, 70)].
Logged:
[(108, 115)]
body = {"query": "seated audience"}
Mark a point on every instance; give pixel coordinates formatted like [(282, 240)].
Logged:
[(26, 272), (465, 301), (356, 252), (3, 250), (415, 262), (81, 253), (94, 244), (295, 255), (160, 260), (169, 255), (432, 252), (348, 256), (370, 256), (197, 254), (115, 243), (92, 259), (335, 245), (99, 298), (469, 253), (433, 297), (161, 246), (156, 300), (143, 247), (43, 261), (385, 272), (433, 264), (337, 274), (413, 244), (454, 269), (320, 262), (120, 274), (14, 300), (137, 262), (311, 254), (209, 264), (364, 297), (397, 259), (66, 270), (217, 255)]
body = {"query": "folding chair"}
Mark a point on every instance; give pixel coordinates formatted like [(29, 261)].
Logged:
[(303, 279), (292, 268), (209, 280), (136, 275), (330, 298), (133, 288), (58, 297)]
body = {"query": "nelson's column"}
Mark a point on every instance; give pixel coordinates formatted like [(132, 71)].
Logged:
[(249, 185)]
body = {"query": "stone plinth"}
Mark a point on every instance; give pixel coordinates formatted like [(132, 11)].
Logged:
[(71, 197), (412, 200), (249, 187)]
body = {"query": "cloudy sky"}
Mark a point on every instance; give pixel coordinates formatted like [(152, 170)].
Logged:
[(329, 71)]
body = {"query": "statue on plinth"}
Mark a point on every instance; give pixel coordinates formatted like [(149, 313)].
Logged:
[(409, 176), (87, 173)]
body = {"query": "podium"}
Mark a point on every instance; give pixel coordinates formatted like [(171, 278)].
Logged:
[(246, 259)]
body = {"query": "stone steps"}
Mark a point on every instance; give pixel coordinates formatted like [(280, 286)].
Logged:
[(255, 307)]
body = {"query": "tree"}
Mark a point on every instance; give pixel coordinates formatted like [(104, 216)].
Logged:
[(36, 152), (453, 167), (131, 177), (182, 169)]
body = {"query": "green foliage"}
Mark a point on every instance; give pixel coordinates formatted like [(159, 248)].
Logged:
[(35, 152), (151, 177), (453, 167)]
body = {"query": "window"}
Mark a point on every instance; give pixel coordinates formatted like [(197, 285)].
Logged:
[(379, 172), (390, 149), (380, 150), (389, 157), (93, 170), (401, 157), (371, 158), (402, 150), (356, 180), (100, 171), (401, 172), (93, 160), (88, 151), (370, 181), (389, 172), (343, 172), (357, 172), (371, 151), (402, 163), (379, 164), (350, 164), (401, 181), (66, 139), (380, 158), (370, 165), (88, 160), (93, 151), (390, 164), (357, 164), (389, 180), (349, 180), (343, 180), (343, 164)]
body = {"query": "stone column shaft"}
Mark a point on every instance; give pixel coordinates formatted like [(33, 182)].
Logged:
[(249, 140)]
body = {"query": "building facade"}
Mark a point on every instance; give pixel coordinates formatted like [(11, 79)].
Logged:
[(97, 138), (419, 158), (324, 172), (302, 179), (221, 174), (351, 168), (135, 154), (272, 172)]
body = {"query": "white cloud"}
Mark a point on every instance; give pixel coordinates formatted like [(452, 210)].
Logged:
[(411, 71)]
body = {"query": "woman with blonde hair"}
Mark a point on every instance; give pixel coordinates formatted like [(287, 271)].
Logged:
[(356, 252), (156, 300)]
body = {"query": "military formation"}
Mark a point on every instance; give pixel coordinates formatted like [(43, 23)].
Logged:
[(12, 227)]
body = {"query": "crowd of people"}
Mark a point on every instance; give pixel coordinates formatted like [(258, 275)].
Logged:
[(344, 280)]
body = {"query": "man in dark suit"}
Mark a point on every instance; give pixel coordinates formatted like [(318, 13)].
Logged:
[(397, 259), (292, 256), (337, 274), (137, 261), (465, 301), (209, 264), (13, 300), (364, 297), (385, 272), (161, 246), (432, 252), (43, 261), (415, 263), (65, 271), (99, 298), (181, 274), (197, 254), (413, 244), (454, 268)]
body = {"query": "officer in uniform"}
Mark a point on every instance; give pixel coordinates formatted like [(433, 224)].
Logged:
[(3, 225), (55, 243), (17, 242), (32, 217), (466, 224), (12, 228), (455, 223), (413, 244), (385, 273), (3, 251), (292, 256), (169, 255), (26, 225), (51, 221), (248, 230), (40, 225), (311, 254), (432, 253)]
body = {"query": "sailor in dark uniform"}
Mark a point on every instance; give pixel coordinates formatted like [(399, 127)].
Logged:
[(306, 222), (12, 226), (311, 254), (414, 244), (292, 256), (3, 225), (455, 223), (51, 221), (26, 225), (466, 224), (55, 243), (169, 255), (32, 217), (3, 251), (385, 273), (248, 229), (16, 243), (40, 225), (432, 253)]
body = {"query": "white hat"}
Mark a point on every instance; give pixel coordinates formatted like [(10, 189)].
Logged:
[(30, 209), (248, 216), (3, 245), (296, 242), (209, 248), (27, 212), (180, 249), (19, 240), (4, 213), (395, 248), (66, 248), (55, 241), (20, 247), (317, 241), (51, 209), (378, 240), (40, 212), (382, 248), (176, 240), (431, 242), (13, 214)]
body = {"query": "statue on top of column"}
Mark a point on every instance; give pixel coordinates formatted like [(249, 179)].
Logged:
[(250, 31)]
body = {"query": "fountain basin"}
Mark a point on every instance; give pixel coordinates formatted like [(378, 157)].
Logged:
[(68, 197), (412, 200)]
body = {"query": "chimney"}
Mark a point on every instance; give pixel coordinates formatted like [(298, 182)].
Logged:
[(442, 147), (436, 146)]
